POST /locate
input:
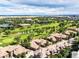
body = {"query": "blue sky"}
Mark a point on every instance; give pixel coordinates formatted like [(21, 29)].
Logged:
[(39, 7)]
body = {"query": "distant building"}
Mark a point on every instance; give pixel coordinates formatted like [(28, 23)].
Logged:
[(29, 19), (23, 25), (7, 25)]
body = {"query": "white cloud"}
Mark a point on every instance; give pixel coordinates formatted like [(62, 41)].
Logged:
[(45, 1), (18, 8), (30, 10)]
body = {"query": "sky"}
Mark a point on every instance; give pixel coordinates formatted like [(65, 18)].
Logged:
[(39, 7)]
